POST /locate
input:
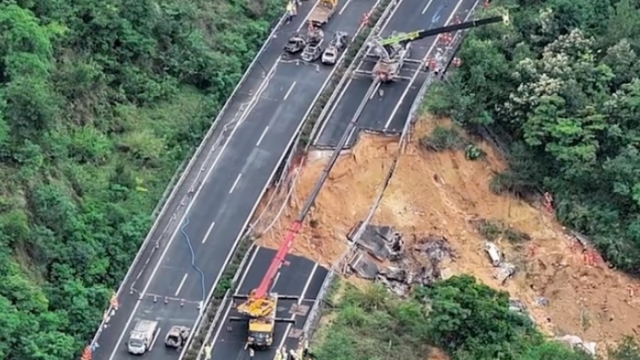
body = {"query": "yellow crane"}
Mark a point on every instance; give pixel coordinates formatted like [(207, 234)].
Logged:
[(261, 305)]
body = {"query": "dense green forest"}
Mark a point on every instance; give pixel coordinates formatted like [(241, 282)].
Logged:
[(466, 319), (561, 87), (100, 102)]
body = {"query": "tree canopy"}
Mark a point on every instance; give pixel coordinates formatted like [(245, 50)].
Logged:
[(100, 102), (561, 87), (466, 319)]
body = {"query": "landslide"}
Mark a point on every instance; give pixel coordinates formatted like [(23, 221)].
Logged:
[(442, 193)]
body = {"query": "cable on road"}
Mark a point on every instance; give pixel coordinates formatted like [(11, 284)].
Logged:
[(193, 256)]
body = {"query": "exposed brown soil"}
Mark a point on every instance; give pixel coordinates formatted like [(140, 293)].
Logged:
[(441, 194)]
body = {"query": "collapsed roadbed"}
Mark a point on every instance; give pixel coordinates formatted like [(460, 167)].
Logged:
[(438, 218)]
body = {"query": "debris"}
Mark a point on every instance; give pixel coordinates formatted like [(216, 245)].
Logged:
[(494, 253), (381, 242), (504, 272), (577, 342), (363, 266), (420, 266), (517, 305), (542, 301)]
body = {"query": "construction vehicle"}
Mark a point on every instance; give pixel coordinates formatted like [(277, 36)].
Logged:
[(142, 337), (393, 52), (260, 306), (322, 12), (338, 44), (177, 336), (260, 313)]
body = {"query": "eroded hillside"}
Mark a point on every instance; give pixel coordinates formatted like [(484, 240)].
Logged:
[(444, 194)]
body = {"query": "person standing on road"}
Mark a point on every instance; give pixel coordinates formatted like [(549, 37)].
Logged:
[(291, 11)]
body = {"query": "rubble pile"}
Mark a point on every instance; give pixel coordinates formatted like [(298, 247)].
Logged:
[(382, 256), (504, 270)]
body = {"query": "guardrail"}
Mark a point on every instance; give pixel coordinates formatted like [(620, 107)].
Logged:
[(184, 172)]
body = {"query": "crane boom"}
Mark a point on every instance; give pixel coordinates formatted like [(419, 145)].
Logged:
[(278, 260), (421, 34)]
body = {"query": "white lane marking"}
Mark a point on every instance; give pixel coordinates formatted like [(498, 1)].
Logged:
[(264, 132), (433, 45), (184, 278), (344, 7), (290, 90), (302, 296), (235, 183), (124, 331), (206, 236), (155, 338), (375, 91), (275, 281), (424, 11), (240, 283)]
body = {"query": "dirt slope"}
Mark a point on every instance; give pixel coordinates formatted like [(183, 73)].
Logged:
[(441, 194)]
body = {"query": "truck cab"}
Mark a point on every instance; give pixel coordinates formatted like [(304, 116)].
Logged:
[(260, 333), (142, 337), (322, 12), (137, 344)]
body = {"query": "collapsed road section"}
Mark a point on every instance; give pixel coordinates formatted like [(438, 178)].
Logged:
[(184, 256)]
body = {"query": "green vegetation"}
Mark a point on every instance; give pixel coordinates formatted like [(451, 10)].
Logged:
[(561, 87), (494, 230), (99, 104), (443, 138), (466, 319)]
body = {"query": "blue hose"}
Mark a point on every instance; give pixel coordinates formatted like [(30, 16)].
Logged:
[(193, 256)]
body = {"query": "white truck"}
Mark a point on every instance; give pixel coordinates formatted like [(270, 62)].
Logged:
[(142, 337)]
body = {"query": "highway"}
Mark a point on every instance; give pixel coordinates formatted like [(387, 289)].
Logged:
[(301, 278), (387, 110), (196, 238)]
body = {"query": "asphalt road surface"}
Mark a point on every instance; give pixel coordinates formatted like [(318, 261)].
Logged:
[(302, 278), (197, 239), (387, 110)]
